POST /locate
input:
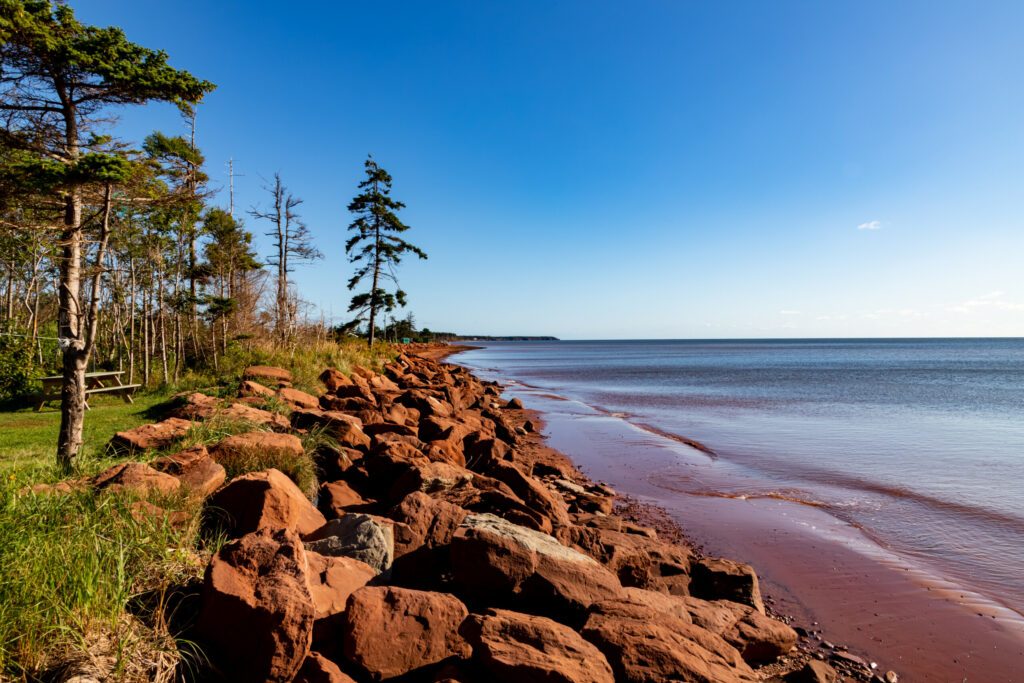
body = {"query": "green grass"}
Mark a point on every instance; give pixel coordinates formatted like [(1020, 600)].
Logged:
[(72, 565)]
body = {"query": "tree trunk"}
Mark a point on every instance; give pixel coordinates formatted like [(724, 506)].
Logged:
[(73, 362)]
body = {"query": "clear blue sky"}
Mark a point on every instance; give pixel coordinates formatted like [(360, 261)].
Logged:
[(634, 169)]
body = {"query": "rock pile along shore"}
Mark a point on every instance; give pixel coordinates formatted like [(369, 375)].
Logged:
[(446, 542)]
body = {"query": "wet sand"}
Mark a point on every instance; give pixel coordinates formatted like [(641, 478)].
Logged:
[(821, 570)]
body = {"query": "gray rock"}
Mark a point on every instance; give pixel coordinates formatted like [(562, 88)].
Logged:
[(362, 537)]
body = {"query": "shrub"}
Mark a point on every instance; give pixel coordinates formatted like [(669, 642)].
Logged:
[(18, 366)]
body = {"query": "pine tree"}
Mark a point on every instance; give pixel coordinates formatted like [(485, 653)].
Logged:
[(58, 77), (376, 247)]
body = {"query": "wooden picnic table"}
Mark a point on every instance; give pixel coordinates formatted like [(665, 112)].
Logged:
[(108, 382)]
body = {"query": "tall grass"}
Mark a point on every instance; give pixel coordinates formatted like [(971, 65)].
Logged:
[(69, 564)]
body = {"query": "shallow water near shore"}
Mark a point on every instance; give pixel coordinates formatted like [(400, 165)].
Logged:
[(875, 484)]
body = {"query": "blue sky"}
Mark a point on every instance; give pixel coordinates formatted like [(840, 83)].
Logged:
[(634, 169)]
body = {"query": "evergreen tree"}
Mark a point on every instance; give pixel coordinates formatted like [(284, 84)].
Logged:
[(58, 77), (376, 247)]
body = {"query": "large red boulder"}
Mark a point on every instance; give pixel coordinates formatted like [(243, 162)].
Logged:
[(513, 647), (264, 500), (391, 631), (646, 646), (256, 618), (252, 447), (336, 496), (333, 378), (426, 522), (194, 468), (713, 578), (333, 579), (758, 637), (344, 428), (136, 478), (151, 436), (299, 399), (504, 563)]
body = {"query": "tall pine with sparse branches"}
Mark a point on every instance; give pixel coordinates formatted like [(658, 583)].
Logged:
[(376, 247)]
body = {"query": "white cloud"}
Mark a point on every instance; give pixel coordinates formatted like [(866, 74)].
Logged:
[(990, 301), (870, 225), (786, 311)]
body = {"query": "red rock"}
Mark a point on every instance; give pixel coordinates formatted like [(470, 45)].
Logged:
[(391, 631), (335, 496), (638, 560), (332, 580), (758, 638), (202, 407), (351, 405), (250, 389), (299, 399), (267, 373), (644, 646), (513, 647), (318, 669), (256, 618), (388, 427), (425, 523), (514, 404), (532, 492), (151, 436), (429, 477), (194, 468), (257, 446), (346, 429), (720, 579), (332, 379), (333, 461), (135, 478), (499, 561), (265, 500)]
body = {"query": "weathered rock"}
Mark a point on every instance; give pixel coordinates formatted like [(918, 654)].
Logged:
[(318, 669), (135, 478), (758, 638), (714, 578), (637, 559), (257, 447), (198, 406), (429, 477), (532, 492), (256, 619), (267, 373), (813, 672), (334, 461), (426, 522), (194, 468), (363, 537), (333, 379), (346, 429), (264, 500), (644, 646), (502, 562), (391, 631), (151, 436), (336, 496), (333, 579), (513, 647), (299, 399), (250, 389)]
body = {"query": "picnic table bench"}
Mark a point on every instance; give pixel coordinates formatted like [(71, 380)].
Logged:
[(95, 383)]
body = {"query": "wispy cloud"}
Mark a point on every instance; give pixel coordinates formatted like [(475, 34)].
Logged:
[(990, 301), (787, 311), (870, 225)]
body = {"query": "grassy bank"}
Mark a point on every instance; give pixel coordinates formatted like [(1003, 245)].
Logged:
[(80, 572)]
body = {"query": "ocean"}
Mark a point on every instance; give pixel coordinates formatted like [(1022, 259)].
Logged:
[(915, 445)]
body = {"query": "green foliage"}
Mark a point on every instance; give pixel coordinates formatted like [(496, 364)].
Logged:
[(18, 367), (376, 247)]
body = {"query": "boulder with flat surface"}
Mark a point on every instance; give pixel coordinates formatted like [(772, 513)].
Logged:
[(256, 617), (318, 669), (297, 398), (152, 436), (267, 373), (135, 478), (263, 500), (336, 496), (645, 646), (389, 632), (513, 647), (332, 579), (503, 564)]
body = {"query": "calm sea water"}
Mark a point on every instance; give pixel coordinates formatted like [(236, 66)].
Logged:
[(920, 443)]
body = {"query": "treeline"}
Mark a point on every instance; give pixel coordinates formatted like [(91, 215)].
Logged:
[(114, 255)]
